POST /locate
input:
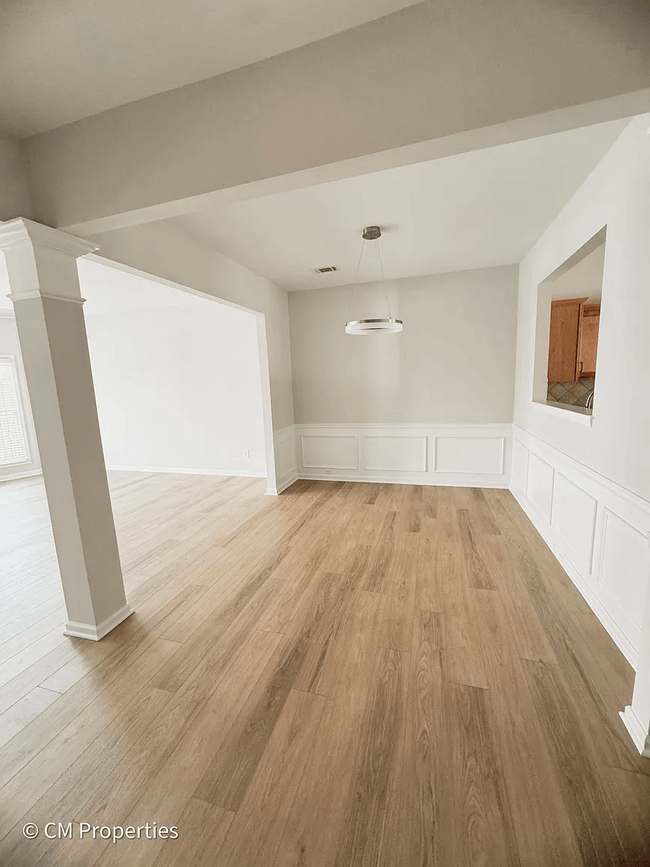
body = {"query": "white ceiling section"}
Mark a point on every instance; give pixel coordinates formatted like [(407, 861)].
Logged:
[(111, 290), (585, 278), (64, 60), (472, 210)]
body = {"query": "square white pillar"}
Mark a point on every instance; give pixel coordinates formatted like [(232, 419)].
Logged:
[(46, 295)]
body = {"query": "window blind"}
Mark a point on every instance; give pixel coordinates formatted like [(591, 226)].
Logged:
[(13, 447)]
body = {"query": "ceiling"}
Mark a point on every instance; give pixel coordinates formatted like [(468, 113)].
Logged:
[(110, 290), (64, 60), (472, 210), (585, 279)]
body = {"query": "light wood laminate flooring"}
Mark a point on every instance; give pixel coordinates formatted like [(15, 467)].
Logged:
[(347, 674)]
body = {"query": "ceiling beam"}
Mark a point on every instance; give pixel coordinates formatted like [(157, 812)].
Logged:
[(428, 81)]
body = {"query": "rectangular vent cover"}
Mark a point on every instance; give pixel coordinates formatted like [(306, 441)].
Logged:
[(327, 269)]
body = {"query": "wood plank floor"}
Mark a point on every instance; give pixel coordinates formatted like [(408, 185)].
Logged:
[(348, 674)]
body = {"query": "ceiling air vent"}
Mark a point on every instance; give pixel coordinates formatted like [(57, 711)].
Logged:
[(326, 270)]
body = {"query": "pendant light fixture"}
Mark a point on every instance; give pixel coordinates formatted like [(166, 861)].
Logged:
[(373, 326)]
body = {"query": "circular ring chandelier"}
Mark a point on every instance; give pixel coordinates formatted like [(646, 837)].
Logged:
[(388, 325)]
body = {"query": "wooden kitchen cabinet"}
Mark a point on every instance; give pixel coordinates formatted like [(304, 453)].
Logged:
[(573, 342), (588, 341), (563, 343)]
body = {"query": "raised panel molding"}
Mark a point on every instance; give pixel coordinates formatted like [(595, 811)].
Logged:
[(469, 454), (473, 455), (520, 456), (403, 453), (574, 519), (624, 568), (597, 529), (329, 452), (539, 485), (284, 443)]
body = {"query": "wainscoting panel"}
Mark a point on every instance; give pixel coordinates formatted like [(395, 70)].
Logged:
[(539, 485), (284, 443), (520, 455), (574, 519), (480, 455), (331, 453), (598, 530), (624, 570), (403, 453), (466, 455)]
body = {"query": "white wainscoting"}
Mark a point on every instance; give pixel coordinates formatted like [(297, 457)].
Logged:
[(466, 455), (284, 445), (597, 530)]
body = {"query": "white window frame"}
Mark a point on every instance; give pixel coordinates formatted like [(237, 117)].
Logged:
[(21, 412)]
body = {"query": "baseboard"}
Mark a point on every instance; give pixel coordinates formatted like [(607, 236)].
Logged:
[(636, 731), (284, 483), (96, 633), (190, 472), (16, 476), (440, 480)]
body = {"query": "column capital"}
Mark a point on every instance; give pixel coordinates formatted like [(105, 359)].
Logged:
[(33, 254), (22, 232)]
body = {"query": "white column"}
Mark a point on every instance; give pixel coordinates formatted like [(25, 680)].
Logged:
[(45, 292), (636, 716)]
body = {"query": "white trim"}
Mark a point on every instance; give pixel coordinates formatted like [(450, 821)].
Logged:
[(191, 472), (286, 483), (28, 475), (629, 651), (531, 441), (286, 465), (15, 297), (474, 469), (21, 414), (401, 426), (21, 232), (412, 478), (583, 561), (7, 312), (636, 730), (575, 414), (97, 632), (283, 431)]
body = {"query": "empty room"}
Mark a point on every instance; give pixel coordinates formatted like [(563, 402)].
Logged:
[(324, 480)]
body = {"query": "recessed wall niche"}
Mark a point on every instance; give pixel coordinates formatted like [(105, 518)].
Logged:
[(568, 325)]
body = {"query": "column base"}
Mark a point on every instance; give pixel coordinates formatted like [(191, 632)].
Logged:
[(95, 633), (636, 730)]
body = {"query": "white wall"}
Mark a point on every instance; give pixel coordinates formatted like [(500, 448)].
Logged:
[(178, 388), (616, 194), (587, 486), (9, 345), (159, 249), (454, 363)]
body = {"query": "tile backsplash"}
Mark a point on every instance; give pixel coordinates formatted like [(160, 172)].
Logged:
[(573, 393)]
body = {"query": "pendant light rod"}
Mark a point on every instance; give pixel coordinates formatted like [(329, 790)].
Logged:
[(368, 326)]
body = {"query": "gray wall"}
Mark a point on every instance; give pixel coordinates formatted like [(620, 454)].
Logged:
[(454, 363)]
